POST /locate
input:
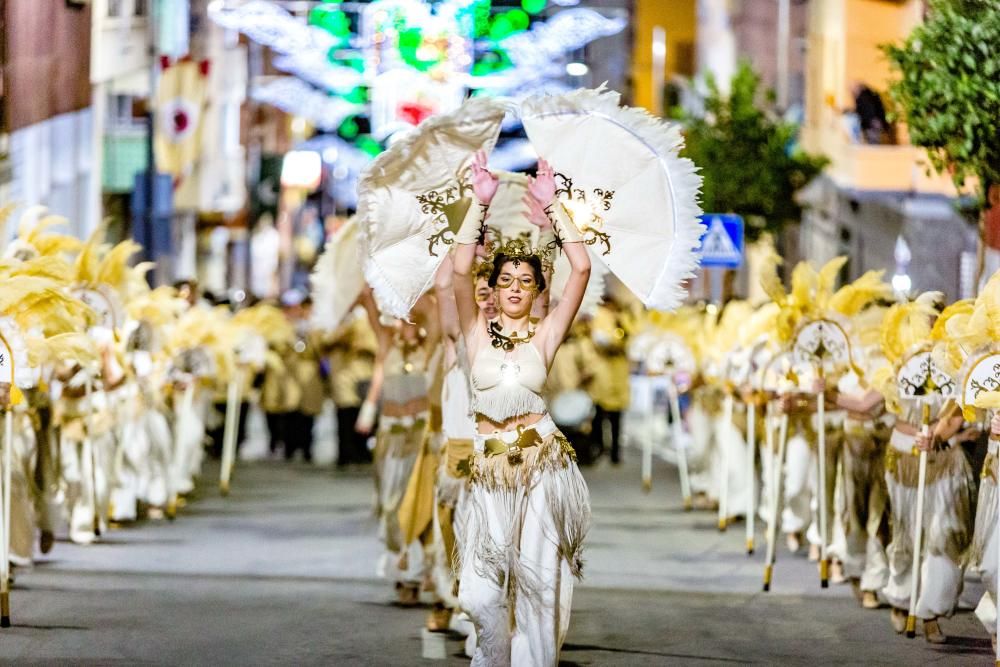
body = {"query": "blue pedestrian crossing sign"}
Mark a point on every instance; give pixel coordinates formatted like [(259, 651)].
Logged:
[(722, 243)]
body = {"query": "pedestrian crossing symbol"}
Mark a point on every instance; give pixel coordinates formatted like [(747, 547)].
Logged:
[(722, 244)]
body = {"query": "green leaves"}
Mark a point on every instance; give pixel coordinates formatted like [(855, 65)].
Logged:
[(747, 156), (948, 88)]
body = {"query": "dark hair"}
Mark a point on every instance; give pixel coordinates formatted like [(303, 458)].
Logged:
[(531, 260)]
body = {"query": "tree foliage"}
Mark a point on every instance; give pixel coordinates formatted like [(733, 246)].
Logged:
[(948, 88), (747, 155)]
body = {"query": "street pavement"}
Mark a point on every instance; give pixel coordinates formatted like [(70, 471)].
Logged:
[(283, 572)]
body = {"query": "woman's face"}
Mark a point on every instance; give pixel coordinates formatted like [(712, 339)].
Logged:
[(486, 299), (516, 288)]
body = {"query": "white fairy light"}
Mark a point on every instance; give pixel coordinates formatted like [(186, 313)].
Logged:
[(577, 69), (297, 97)]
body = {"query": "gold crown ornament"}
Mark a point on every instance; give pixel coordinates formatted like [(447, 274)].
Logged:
[(517, 250)]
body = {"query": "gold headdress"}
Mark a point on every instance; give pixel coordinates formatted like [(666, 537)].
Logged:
[(518, 249)]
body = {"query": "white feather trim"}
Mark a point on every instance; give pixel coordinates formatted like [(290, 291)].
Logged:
[(665, 141)]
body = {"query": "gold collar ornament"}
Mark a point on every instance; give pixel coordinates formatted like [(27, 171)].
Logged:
[(504, 342)]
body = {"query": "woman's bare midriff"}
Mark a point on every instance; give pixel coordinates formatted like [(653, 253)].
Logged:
[(405, 409), (487, 426)]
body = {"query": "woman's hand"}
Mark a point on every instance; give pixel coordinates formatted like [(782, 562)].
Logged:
[(484, 181), (543, 186), (924, 441), (536, 213)]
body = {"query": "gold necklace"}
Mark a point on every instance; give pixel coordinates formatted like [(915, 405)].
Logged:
[(501, 341)]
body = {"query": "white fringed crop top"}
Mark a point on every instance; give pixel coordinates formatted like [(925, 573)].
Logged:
[(508, 384), (405, 375)]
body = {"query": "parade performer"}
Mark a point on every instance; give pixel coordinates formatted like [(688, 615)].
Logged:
[(867, 427), (459, 429), (528, 499), (922, 422), (966, 346), (530, 507), (401, 382)]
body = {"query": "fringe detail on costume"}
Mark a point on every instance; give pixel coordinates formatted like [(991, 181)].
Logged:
[(501, 403), (416, 510), (865, 470), (396, 449), (947, 504), (499, 494), (986, 512)]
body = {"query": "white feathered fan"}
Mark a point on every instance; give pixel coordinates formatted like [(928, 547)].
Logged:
[(620, 176)]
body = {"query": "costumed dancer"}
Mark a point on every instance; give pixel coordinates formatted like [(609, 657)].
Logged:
[(912, 387), (346, 336), (867, 427), (400, 381), (530, 507), (807, 300), (459, 429), (966, 346)]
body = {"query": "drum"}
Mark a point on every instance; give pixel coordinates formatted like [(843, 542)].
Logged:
[(572, 409)]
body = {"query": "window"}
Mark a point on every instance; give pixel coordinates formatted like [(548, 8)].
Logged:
[(114, 8), (141, 7)]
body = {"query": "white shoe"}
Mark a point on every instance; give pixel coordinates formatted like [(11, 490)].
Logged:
[(470, 644), (461, 624)]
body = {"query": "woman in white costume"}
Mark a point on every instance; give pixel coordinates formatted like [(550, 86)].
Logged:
[(401, 382), (529, 504), (866, 501), (459, 428), (948, 502)]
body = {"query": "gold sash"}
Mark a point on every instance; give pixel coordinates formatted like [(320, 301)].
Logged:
[(526, 437)]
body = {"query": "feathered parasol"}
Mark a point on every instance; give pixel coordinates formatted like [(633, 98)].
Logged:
[(407, 197), (620, 177), (337, 280)]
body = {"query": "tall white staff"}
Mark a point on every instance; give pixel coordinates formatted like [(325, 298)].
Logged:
[(727, 420), (775, 379), (758, 357), (230, 429), (919, 378), (751, 470), (673, 359), (679, 443), (825, 344)]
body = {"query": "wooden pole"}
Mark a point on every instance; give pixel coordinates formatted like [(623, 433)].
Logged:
[(679, 445)]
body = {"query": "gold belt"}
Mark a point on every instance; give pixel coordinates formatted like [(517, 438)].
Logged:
[(459, 455), (436, 420), (399, 427), (526, 437)]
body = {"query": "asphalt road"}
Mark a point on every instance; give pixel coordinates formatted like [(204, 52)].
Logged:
[(282, 572)]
